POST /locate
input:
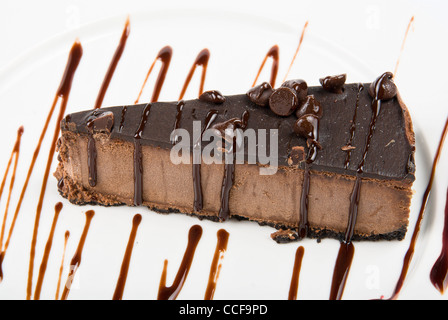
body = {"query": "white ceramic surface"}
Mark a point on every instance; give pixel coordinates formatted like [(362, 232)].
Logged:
[(254, 266)]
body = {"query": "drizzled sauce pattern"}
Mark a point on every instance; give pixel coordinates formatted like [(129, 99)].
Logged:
[(346, 251)]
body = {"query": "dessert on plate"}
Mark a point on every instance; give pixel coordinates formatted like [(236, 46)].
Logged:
[(297, 158)]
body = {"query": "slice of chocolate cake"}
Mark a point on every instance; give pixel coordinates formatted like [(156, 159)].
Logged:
[(296, 158)]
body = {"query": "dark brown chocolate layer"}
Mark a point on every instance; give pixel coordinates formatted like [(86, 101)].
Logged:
[(390, 154)]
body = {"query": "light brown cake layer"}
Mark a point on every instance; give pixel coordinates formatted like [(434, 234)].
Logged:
[(270, 199)]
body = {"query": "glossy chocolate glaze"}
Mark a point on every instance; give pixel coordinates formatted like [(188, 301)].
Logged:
[(390, 152)]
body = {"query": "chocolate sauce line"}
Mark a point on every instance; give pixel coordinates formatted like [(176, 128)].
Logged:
[(91, 148), (410, 252), (180, 108), (121, 282), (215, 268), (274, 54), (294, 286), (61, 268), (63, 92), (411, 22), (14, 155), (138, 157), (113, 64), (76, 260), (303, 221), (201, 60), (304, 225), (229, 168), (297, 50), (353, 128), (171, 293), (439, 271), (347, 249), (44, 263), (197, 159), (164, 56)]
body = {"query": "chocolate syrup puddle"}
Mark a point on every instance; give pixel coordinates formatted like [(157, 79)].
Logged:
[(61, 268), (352, 129), (121, 282), (294, 286), (347, 249), (171, 293), (63, 93), (297, 50), (138, 157), (113, 64), (439, 271), (411, 22), (426, 195), (201, 60), (197, 159), (14, 155), (44, 263), (164, 56), (274, 54), (215, 268), (76, 260), (229, 168)]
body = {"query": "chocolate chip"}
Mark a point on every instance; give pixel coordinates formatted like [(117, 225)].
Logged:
[(100, 121), (299, 86), (285, 236), (383, 88), (333, 83), (307, 126), (260, 94), (213, 96), (310, 106), (297, 155), (283, 101)]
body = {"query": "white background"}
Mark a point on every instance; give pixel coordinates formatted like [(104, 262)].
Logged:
[(370, 30)]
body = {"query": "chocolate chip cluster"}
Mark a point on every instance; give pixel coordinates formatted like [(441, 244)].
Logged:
[(292, 97)]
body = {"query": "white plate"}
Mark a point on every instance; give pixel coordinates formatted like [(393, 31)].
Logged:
[(254, 266)]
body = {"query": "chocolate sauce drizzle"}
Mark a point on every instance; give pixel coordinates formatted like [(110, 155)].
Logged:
[(138, 157), (113, 64), (274, 54), (76, 260), (229, 168), (215, 268), (439, 271), (164, 56), (297, 50), (313, 146), (411, 22), (347, 250), (349, 146), (14, 155), (121, 282), (410, 252), (294, 286), (201, 60), (63, 92), (197, 159), (180, 108), (44, 263), (61, 268), (171, 293)]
